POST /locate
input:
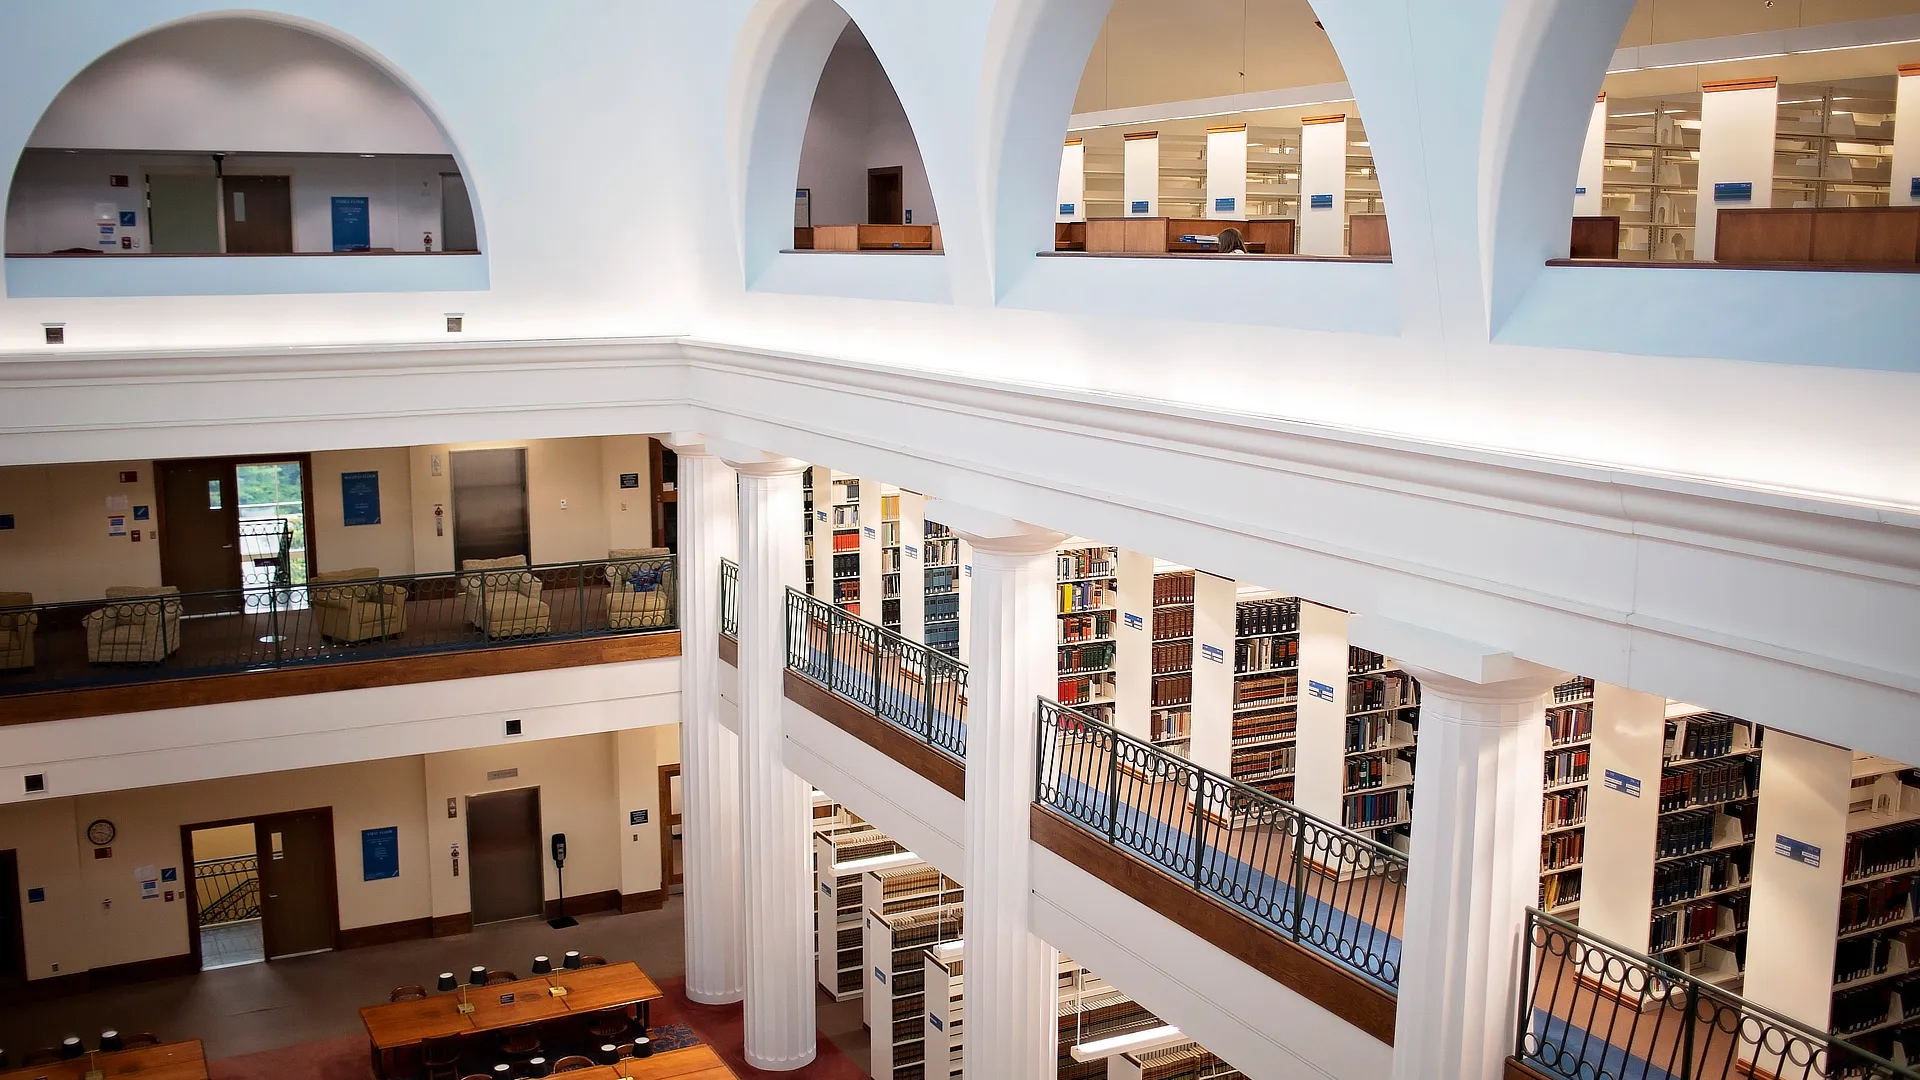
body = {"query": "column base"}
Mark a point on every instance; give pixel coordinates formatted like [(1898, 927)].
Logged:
[(730, 997), (781, 1064)]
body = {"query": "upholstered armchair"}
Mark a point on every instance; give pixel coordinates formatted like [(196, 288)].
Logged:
[(503, 597), (18, 621), (640, 588), (349, 606), (143, 628)]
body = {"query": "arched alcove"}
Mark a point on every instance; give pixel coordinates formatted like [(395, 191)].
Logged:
[(239, 135)]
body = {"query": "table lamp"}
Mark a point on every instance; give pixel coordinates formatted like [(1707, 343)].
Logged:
[(109, 1041), (609, 1053), (448, 984), (70, 1047), (542, 966), (642, 1047), (477, 976), (572, 960)]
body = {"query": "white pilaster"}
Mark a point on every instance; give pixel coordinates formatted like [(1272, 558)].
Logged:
[(1140, 175), (780, 1033), (1906, 137), (1323, 172), (1011, 1027), (1475, 867), (1593, 164), (1737, 125), (1227, 171), (1073, 182), (716, 921)]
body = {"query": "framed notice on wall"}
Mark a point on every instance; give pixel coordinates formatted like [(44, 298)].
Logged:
[(380, 853), (803, 208), (360, 498), (351, 229)]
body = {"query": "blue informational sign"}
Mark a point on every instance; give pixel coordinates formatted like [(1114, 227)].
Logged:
[(1798, 850), (1733, 192), (128, 217), (881, 975), (36, 896), (868, 530), (1580, 191), (1320, 690), (1214, 653), (820, 514), (912, 552), (1913, 188), (142, 513), (380, 853), (360, 498), (1066, 208), (1622, 783), (1223, 205), (169, 873), (938, 1024), (1320, 202), (6, 521), (352, 229), (1134, 622), (1139, 206)]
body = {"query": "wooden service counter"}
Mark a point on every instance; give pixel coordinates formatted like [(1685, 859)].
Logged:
[(1834, 236), (1160, 235), (868, 238)]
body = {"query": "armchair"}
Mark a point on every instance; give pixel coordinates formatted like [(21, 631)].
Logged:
[(143, 628), (18, 621), (503, 597), (351, 607), (640, 589)]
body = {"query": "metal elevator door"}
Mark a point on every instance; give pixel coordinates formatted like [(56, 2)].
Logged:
[(489, 504), (503, 846)]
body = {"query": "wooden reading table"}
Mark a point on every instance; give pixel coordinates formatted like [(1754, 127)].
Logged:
[(692, 1063), (168, 1061)]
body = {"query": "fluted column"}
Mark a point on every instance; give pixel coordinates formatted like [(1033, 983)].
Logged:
[(1475, 866), (1011, 992), (777, 804), (716, 920)]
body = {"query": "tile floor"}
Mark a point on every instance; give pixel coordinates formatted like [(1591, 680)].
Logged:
[(231, 945)]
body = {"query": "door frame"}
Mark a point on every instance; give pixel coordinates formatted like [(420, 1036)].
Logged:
[(899, 175), (668, 819), (11, 857), (306, 498), (193, 894)]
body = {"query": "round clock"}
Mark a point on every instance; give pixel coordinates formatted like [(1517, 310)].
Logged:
[(101, 832)]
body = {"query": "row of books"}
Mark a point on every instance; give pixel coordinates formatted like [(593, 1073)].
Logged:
[(1264, 726), (1167, 725), (1366, 772), (1371, 732), (1709, 735), (1088, 627), (1280, 616), (1375, 810), (1360, 661), (846, 565), (1081, 689), (1566, 766), (1172, 657), (890, 560), (890, 585), (1573, 690), (941, 579), (1564, 808), (1701, 785), (890, 613), (1085, 563), (846, 591), (846, 517), (1262, 761), (1562, 850), (1075, 658), (1684, 834), (847, 541), (889, 532), (943, 607), (1871, 1006), (1084, 596), (1696, 923), (1265, 654), (1265, 690), (1558, 890), (1876, 903), (1172, 690), (1172, 589), (845, 491), (1390, 691), (1685, 879), (1172, 623), (1883, 850), (1866, 957), (1572, 723)]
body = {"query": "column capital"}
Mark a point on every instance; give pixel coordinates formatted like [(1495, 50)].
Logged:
[(687, 443), (748, 461), (991, 533), (1518, 687)]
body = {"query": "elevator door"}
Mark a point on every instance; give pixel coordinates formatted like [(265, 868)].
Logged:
[(489, 504), (503, 848)]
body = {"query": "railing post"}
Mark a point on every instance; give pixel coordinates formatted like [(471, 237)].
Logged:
[(580, 598), (1686, 1033), (273, 618), (832, 632), (1113, 786), (879, 642), (1300, 849), (1199, 826), (926, 691)]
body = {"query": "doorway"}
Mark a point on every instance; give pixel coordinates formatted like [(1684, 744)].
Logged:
[(886, 202), (273, 522), (225, 864), (457, 232), (665, 470), (263, 889), (489, 489), (259, 214), (673, 866), (13, 934), (503, 855), (183, 214), (228, 524)]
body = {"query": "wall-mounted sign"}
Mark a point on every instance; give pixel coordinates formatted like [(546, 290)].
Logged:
[(1319, 690), (629, 479), (868, 530), (1214, 653), (821, 514), (36, 896), (636, 817), (380, 853), (1066, 208), (1223, 205), (116, 525), (6, 521), (352, 229), (1622, 783), (360, 498), (1139, 206), (936, 1022), (1798, 850), (141, 513), (1913, 188), (1134, 622), (1741, 191), (881, 975), (1320, 202), (912, 552), (1580, 190)]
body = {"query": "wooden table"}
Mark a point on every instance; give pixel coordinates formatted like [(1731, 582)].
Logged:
[(692, 1063), (168, 1061)]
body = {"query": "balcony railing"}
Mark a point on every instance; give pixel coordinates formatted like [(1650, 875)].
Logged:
[(730, 598), (901, 681), (149, 635), (1310, 881), (228, 890), (1594, 1010)]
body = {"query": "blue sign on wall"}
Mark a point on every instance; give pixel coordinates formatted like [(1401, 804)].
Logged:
[(1134, 622), (1320, 690), (1798, 850), (1066, 209), (360, 498), (1622, 783), (1320, 202), (352, 230), (1214, 653), (1580, 191), (36, 896), (1223, 205), (1139, 206), (380, 853), (1733, 192), (128, 218), (1913, 188)]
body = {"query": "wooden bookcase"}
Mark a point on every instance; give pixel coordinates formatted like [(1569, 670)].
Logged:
[(1170, 723), (1266, 685), (1383, 726), (1088, 579), (1563, 813)]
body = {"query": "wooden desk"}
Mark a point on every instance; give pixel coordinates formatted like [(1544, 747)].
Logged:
[(531, 1004), (409, 1023), (610, 987), (692, 1063), (168, 1061)]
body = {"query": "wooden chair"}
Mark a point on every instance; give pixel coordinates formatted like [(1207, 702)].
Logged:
[(497, 977), (572, 1062), (520, 1043), (440, 1058), (410, 992), (588, 960), (46, 1055)]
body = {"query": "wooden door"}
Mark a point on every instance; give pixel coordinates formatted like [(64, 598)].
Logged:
[(886, 204), (298, 899), (259, 212), (673, 867), (506, 877), (199, 530), (13, 937)]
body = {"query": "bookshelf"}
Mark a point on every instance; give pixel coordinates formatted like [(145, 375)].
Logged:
[(1703, 844), (910, 910), (809, 515), (1383, 723), (1188, 1061), (1876, 968), (1563, 813), (1086, 623), (844, 520), (1652, 174), (1090, 1008), (1825, 155), (1266, 681), (942, 588), (890, 559), (1170, 721), (944, 987), (841, 855), (910, 530)]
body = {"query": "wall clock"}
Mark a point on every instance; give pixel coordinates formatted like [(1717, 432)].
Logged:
[(101, 833)]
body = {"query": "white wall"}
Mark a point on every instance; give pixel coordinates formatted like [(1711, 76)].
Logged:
[(1323, 171), (857, 124), (1906, 140), (386, 546), (1736, 146), (1593, 165), (1140, 177), (59, 547), (1227, 172), (1073, 181)]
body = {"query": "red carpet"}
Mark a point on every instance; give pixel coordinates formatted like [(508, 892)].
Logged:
[(719, 1026)]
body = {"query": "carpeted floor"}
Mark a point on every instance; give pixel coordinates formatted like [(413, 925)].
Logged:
[(719, 1026)]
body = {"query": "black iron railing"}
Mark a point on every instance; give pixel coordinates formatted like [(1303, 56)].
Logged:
[(729, 598), (228, 890), (1318, 884), (1593, 1010), (148, 635), (901, 681)]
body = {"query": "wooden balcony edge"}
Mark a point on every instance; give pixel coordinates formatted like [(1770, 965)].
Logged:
[(1800, 267), (929, 763), (191, 691), (1327, 984), (1520, 1070), (729, 651)]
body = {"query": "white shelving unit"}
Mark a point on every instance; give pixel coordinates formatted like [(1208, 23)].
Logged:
[(1703, 846), (842, 855), (1383, 727), (1171, 697), (909, 910), (946, 1014), (943, 585)]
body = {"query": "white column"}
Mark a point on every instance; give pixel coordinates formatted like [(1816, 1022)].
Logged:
[(1320, 715), (1011, 1027), (1215, 618), (777, 805), (1737, 124), (1323, 179), (1906, 138), (1795, 899), (1227, 171), (716, 920), (1133, 645), (1475, 867), (1593, 164), (1073, 182), (1140, 176), (913, 566)]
